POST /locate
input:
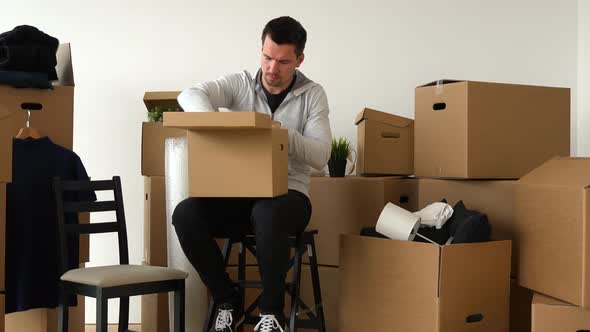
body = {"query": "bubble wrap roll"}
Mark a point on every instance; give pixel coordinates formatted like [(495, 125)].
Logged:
[(176, 191)]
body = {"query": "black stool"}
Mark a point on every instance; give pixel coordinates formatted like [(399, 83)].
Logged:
[(302, 243)]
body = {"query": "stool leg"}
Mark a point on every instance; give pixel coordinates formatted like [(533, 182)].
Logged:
[(210, 310), (317, 291), (295, 289), (179, 308), (241, 278)]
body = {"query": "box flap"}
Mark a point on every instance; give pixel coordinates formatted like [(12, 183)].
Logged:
[(64, 69), (164, 99), (384, 117), (441, 82), (217, 120), (546, 300), (561, 171)]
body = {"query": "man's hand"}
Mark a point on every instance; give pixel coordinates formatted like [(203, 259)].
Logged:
[(276, 124)]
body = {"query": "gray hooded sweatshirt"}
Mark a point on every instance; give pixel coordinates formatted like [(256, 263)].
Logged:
[(304, 112)]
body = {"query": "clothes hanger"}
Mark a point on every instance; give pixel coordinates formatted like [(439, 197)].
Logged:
[(28, 132)]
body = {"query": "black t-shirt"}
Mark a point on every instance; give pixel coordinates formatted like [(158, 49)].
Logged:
[(274, 101), (32, 251)]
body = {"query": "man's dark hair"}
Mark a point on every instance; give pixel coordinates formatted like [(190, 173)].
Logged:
[(286, 30)]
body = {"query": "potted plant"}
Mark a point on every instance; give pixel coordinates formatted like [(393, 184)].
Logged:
[(156, 114), (338, 157)]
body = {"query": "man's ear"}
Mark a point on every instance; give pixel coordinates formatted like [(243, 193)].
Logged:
[(300, 59)]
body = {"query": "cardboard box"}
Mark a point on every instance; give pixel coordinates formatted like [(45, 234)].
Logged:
[(2, 234), (45, 320), (346, 205), (520, 308), (494, 198), (481, 130), (551, 315), (233, 154), (385, 143), (54, 120), (154, 313), (553, 214), (329, 281), (154, 134), (412, 286), (155, 226)]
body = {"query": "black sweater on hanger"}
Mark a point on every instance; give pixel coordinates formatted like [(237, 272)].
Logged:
[(32, 251)]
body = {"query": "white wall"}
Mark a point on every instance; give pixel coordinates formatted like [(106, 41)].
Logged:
[(365, 53), (584, 78)]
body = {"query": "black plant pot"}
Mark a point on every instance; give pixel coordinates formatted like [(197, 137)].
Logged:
[(337, 168)]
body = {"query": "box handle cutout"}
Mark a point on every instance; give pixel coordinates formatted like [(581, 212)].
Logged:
[(474, 318), (282, 147), (404, 199), (439, 106), (390, 135), (582, 330), (31, 106)]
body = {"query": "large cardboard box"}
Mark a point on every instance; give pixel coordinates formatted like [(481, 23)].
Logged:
[(551, 315), (412, 286), (520, 307), (55, 118), (329, 281), (553, 213), (233, 154), (154, 134), (481, 130), (2, 234), (346, 205), (385, 143), (154, 313), (155, 226), (494, 198), (45, 320)]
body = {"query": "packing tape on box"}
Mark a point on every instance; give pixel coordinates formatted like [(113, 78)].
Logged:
[(439, 87), (397, 223), (176, 170)]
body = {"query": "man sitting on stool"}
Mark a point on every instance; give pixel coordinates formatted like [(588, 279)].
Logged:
[(296, 103)]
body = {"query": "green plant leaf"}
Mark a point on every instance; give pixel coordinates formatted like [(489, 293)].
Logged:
[(156, 114), (340, 148)]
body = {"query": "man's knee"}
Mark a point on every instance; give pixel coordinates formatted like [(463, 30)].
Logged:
[(187, 215)]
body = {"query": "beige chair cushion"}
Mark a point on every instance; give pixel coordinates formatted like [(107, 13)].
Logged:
[(117, 275)]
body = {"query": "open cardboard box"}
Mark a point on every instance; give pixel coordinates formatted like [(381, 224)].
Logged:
[(417, 287), (55, 119), (233, 154), (154, 134), (494, 198)]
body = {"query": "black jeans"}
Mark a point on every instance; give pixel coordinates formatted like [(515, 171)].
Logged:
[(199, 220)]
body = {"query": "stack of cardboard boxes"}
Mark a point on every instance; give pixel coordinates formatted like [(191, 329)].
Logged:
[(154, 307), (469, 137), (470, 141), (55, 120)]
